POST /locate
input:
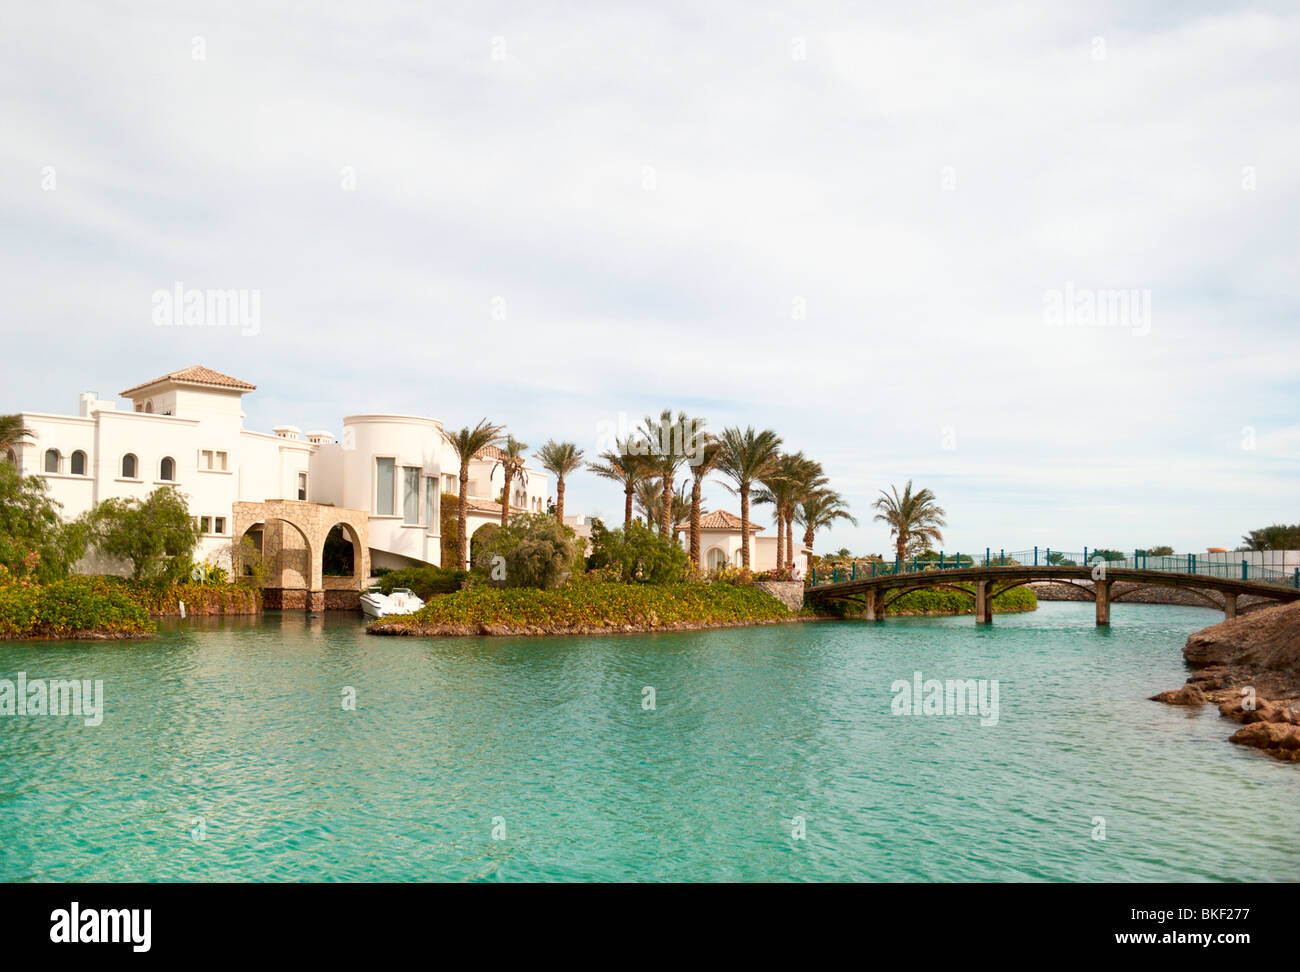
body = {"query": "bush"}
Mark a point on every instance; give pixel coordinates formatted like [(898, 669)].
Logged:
[(426, 582), (534, 550), (35, 543), (157, 536), (596, 604), (68, 608), (639, 555)]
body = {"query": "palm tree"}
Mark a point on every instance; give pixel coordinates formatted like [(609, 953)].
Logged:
[(710, 453), (627, 469), (467, 444), (512, 465), (560, 458), (649, 501), (747, 456), (669, 445), (910, 517), (817, 511), (12, 433), (791, 477), (681, 507)]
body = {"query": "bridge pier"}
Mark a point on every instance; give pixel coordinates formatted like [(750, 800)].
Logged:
[(1229, 606), (1103, 602), (869, 603), (983, 603)]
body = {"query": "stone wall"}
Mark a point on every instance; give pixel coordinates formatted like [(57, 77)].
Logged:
[(789, 593)]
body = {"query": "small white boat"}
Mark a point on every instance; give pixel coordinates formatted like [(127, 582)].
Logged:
[(376, 604)]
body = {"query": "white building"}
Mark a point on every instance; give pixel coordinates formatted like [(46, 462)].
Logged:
[(185, 429), (720, 544)]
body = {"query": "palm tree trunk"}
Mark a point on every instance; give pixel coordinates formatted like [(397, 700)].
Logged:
[(627, 507), (780, 538), (462, 541), (696, 490), (789, 537), (505, 500), (559, 499), (808, 542), (901, 546), (744, 525), (666, 511)]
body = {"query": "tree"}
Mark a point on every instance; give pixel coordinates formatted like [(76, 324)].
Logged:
[(649, 500), (1279, 536), (681, 511), (157, 536), (747, 456), (1157, 552), (819, 510), (34, 540), (536, 550), (467, 444), (639, 554), (710, 452), (12, 433), (512, 465), (625, 468), (791, 478), (668, 444), (561, 458), (910, 516)]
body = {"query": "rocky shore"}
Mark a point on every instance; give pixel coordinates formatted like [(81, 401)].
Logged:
[(1250, 668)]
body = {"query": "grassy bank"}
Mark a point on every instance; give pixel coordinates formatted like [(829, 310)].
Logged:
[(937, 602), (111, 607), (586, 607)]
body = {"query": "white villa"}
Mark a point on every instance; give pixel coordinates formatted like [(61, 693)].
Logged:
[(377, 487), (720, 543)]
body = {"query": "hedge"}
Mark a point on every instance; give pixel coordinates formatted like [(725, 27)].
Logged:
[(70, 608)]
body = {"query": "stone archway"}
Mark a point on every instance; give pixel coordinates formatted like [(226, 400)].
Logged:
[(293, 542)]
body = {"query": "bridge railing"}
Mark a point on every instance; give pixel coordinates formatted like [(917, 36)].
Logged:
[(1201, 565)]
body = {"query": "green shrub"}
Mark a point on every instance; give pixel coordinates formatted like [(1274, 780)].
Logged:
[(639, 554), (594, 604), (68, 608), (426, 582), (535, 550)]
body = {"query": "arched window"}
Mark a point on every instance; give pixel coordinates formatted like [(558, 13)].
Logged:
[(78, 466), (129, 466), (52, 460), (167, 469), (148, 406)]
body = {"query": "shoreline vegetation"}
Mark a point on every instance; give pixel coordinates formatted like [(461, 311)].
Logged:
[(107, 608)]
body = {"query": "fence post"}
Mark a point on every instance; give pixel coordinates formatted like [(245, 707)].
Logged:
[(1035, 556), (1297, 577), (854, 575), (873, 568), (941, 560), (1002, 558), (1049, 556), (814, 577), (1085, 555), (1192, 561)]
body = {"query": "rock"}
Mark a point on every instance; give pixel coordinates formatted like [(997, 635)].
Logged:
[(1209, 679), (1187, 695), (1268, 638), (1268, 735)]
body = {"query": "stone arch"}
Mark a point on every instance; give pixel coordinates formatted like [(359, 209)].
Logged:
[(898, 592), (293, 543)]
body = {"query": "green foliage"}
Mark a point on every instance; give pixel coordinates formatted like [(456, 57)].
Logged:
[(1058, 559), (595, 604), (68, 608), (535, 550), (35, 543), (935, 600), (157, 536), (426, 582), (639, 554), (1105, 553), (1279, 536), (447, 527)]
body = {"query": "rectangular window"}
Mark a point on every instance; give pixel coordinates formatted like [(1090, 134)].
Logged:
[(449, 484), (205, 524), (221, 460), (302, 486), (430, 496), (219, 525), (384, 485), (206, 462), (410, 494)]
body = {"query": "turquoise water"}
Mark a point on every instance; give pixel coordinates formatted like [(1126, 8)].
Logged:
[(233, 731)]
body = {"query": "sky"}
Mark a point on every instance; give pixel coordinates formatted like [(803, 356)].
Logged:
[(1043, 262)]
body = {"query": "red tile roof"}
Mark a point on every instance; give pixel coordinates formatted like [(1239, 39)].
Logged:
[(722, 520), (197, 375)]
